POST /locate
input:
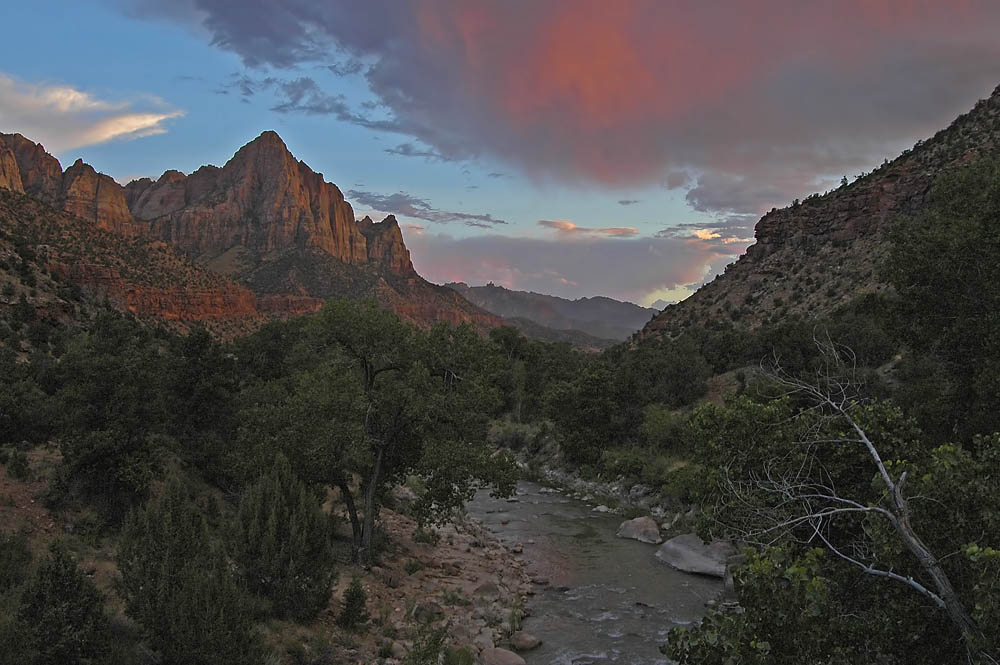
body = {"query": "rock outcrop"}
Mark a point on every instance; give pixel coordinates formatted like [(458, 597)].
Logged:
[(819, 253), (262, 199), (10, 174), (41, 174), (95, 196), (385, 246), (80, 191), (689, 554)]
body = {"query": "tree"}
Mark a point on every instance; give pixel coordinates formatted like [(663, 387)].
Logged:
[(421, 400), (282, 544), (63, 613), (178, 584), (844, 486), (943, 265), (353, 611)]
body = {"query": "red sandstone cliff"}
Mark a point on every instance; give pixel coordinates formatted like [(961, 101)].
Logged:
[(80, 191), (262, 199)]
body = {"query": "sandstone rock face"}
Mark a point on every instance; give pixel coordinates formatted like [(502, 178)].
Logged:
[(689, 554), (385, 245), (644, 529), (500, 657), (262, 199), (95, 196), (80, 191), (41, 173), (10, 174)]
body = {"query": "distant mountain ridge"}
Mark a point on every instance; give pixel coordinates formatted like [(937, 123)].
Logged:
[(598, 316), (264, 219), (814, 255)]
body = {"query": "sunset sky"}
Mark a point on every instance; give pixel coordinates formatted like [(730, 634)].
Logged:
[(574, 147)]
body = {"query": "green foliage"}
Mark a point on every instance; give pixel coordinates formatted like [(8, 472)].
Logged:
[(282, 544), (62, 614), (943, 266), (15, 559), (178, 584), (353, 611)]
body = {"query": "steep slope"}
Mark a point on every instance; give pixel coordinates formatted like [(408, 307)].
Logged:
[(817, 254), (599, 317)]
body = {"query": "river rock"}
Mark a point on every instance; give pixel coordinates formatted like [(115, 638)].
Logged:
[(644, 529), (522, 641), (688, 553), (500, 657), (602, 509)]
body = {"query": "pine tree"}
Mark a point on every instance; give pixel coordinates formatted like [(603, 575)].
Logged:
[(179, 585), (62, 614), (283, 544), (354, 610)]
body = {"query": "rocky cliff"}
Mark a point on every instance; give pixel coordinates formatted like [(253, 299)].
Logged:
[(385, 246), (819, 253), (80, 191), (146, 277), (262, 199)]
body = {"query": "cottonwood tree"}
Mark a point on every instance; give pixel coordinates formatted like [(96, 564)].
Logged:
[(423, 406), (817, 493)]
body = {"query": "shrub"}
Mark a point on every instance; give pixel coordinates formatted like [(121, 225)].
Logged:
[(283, 544), (62, 614), (177, 583), (354, 611)]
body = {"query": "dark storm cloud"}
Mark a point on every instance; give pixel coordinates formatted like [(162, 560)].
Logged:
[(748, 106), (407, 205)]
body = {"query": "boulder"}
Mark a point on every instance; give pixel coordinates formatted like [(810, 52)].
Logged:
[(427, 611), (644, 529), (522, 641), (500, 657), (688, 553)]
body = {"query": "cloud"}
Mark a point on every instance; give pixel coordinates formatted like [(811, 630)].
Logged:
[(748, 107), (566, 227), (410, 150), (63, 117), (638, 269), (627, 202), (407, 205)]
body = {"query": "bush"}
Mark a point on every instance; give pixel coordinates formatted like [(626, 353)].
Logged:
[(283, 544), (354, 611), (177, 583), (62, 614), (15, 559)]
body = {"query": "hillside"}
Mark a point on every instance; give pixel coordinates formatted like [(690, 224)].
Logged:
[(599, 317), (817, 254)]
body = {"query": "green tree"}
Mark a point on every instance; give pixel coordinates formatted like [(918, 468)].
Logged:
[(63, 614), (354, 610), (943, 265), (177, 583), (282, 544)]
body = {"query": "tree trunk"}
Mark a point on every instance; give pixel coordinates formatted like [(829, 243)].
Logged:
[(971, 633), (352, 513), (369, 524)]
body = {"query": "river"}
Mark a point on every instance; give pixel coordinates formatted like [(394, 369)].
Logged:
[(608, 600)]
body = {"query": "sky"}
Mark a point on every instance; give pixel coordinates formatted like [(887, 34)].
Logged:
[(575, 147)]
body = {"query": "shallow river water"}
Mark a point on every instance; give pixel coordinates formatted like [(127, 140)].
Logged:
[(608, 599)]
